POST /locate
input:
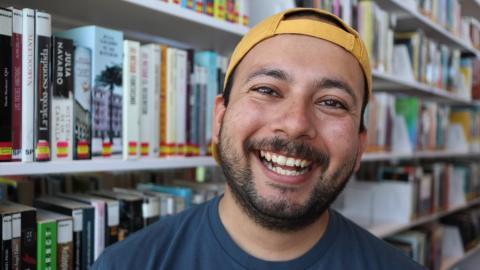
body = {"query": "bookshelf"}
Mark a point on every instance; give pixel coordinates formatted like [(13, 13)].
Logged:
[(144, 20), (453, 263), (410, 19), (384, 230), (99, 165), (383, 82), (393, 157), (471, 7)]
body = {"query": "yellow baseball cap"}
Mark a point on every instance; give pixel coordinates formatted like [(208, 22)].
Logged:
[(279, 24)]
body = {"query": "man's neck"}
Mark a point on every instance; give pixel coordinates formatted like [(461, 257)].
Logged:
[(263, 243)]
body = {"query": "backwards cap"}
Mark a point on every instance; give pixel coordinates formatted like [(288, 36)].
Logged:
[(279, 24)]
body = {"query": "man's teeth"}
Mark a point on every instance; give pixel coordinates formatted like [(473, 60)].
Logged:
[(284, 160), (285, 172)]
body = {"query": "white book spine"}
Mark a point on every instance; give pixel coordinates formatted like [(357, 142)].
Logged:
[(170, 102), (131, 100), (65, 231), (28, 49), (181, 100), (99, 238), (150, 121)]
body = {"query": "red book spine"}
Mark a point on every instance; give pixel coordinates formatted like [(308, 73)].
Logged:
[(17, 85)]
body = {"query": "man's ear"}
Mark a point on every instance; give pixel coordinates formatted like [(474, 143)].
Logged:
[(218, 113), (362, 144)]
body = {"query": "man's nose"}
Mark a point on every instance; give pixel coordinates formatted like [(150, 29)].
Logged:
[(295, 120)]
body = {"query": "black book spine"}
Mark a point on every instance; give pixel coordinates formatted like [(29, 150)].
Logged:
[(28, 251), (88, 237), (5, 85), (42, 86), (6, 242)]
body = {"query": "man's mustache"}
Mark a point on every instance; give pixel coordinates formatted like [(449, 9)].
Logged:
[(297, 148)]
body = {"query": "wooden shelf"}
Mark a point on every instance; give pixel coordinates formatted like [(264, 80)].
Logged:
[(144, 20), (389, 83), (98, 165), (384, 230), (450, 263), (411, 19)]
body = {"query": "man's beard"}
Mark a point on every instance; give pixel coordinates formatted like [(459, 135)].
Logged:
[(280, 214)]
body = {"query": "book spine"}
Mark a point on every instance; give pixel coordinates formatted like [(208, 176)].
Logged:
[(88, 237), (5, 85), (155, 116), (209, 7), (16, 240), (189, 150), (43, 33), (47, 245), (99, 227), (82, 103), (65, 244), (62, 99), (163, 103), (147, 83), (131, 102), (29, 235), (17, 84), (77, 216), (6, 250), (170, 103), (181, 101), (28, 49), (112, 222)]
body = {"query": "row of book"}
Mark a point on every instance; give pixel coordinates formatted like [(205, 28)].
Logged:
[(432, 245), (446, 13), (409, 124), (86, 92), (70, 230), (389, 194), (234, 11), (410, 55)]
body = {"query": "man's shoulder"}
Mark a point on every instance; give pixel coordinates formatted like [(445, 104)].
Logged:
[(376, 252), (150, 245)]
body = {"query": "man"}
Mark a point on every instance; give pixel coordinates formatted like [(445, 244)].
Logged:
[(288, 133)]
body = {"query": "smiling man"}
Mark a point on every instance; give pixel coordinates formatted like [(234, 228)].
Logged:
[(288, 133)]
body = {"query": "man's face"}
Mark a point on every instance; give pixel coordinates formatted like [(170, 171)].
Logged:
[(289, 137)]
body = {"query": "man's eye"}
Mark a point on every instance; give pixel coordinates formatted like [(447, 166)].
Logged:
[(265, 91), (332, 103)]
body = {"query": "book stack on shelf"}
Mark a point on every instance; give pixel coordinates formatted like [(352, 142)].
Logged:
[(71, 230)]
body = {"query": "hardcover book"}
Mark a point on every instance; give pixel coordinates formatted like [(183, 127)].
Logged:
[(62, 99), (16, 84), (28, 52), (43, 34), (46, 242), (106, 46), (6, 241), (82, 103), (131, 102), (5, 85)]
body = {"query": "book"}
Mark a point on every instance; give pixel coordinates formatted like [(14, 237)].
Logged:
[(16, 84), (111, 217), (43, 34), (130, 211), (163, 102), (82, 107), (83, 227), (6, 85), (150, 205), (106, 46), (6, 246), (46, 241), (62, 99), (23, 227), (168, 147), (150, 116), (132, 100), (63, 228), (181, 101), (28, 52), (219, 8), (99, 219)]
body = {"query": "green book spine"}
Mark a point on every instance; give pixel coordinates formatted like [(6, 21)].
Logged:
[(47, 245)]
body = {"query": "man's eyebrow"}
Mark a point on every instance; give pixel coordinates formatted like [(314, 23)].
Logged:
[(270, 72), (326, 83)]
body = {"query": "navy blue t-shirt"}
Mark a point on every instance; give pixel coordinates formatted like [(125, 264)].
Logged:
[(196, 239)]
